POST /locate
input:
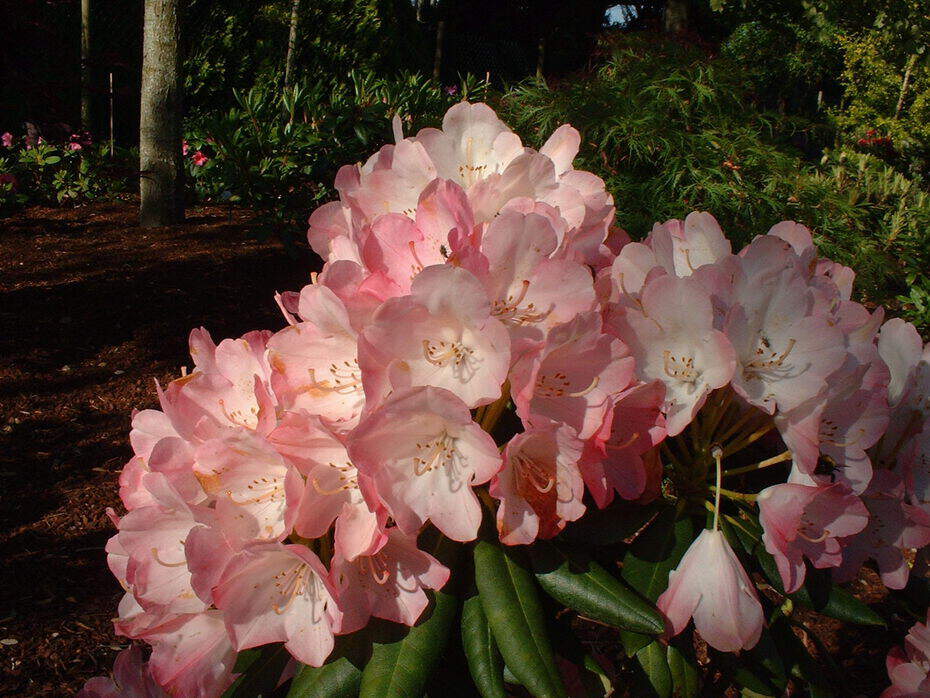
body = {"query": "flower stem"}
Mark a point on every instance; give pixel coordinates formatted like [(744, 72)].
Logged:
[(494, 411), (730, 494), (717, 453), (774, 460)]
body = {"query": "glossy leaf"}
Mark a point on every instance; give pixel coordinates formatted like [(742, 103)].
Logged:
[(508, 594), (262, 672), (401, 668), (334, 679), (484, 659), (586, 587), (686, 678), (655, 665)]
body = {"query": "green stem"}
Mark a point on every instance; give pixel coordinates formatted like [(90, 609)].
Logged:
[(774, 460), (730, 494)]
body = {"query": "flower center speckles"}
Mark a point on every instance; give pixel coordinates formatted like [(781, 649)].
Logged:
[(238, 417), (436, 454), (767, 358), (443, 353), (344, 378), (557, 385), (261, 489), (680, 367), (510, 310), (347, 479)]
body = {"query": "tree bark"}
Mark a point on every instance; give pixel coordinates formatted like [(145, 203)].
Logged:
[(85, 65), (904, 85), (160, 184), (437, 57), (291, 45), (540, 57), (676, 16)]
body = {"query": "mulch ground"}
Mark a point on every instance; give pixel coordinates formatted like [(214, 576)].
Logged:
[(92, 310)]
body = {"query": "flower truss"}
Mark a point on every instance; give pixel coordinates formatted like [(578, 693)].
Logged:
[(483, 360)]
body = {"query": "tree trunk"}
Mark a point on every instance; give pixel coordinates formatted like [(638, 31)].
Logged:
[(904, 85), (160, 184), (85, 65), (540, 57), (676, 16), (291, 45), (437, 57)]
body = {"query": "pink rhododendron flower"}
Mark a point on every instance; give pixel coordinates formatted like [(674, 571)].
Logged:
[(894, 526), (803, 521), (279, 593), (131, 678), (6, 139), (711, 586), (540, 487), (331, 491), (389, 583), (199, 159), (672, 339), (185, 147), (572, 377), (73, 145), (449, 340), (422, 454), (908, 667)]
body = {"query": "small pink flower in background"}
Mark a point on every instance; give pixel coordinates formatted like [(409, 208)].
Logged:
[(6, 139), (711, 585), (9, 178), (200, 159), (908, 666), (74, 146), (185, 147), (131, 677), (802, 521), (452, 90)]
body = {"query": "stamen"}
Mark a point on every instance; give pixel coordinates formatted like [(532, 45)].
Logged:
[(614, 446), (167, 564), (582, 393), (380, 574), (681, 368)]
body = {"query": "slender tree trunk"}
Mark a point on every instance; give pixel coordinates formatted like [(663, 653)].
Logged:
[(904, 85), (160, 185), (541, 57), (676, 16), (85, 65), (291, 45), (437, 57)]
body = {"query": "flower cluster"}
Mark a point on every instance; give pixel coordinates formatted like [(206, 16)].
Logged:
[(482, 339)]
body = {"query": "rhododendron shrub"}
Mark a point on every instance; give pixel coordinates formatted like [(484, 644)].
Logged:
[(487, 400)]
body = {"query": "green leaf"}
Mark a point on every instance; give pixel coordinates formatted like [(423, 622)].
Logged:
[(508, 595), (484, 659), (649, 560), (652, 659), (686, 678), (262, 671), (400, 668), (334, 679), (586, 587)]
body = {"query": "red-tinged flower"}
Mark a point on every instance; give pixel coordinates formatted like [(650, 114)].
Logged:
[(200, 159)]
